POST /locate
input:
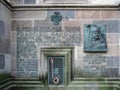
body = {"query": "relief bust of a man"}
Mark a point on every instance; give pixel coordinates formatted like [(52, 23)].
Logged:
[(95, 38)]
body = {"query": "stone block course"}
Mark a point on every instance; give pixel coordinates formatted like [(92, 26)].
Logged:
[(30, 15), (88, 14), (110, 15), (112, 25), (21, 23)]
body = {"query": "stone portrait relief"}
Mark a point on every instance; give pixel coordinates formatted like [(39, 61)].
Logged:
[(95, 38)]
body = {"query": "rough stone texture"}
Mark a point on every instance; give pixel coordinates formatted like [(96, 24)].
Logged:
[(7, 46), (113, 50), (1, 45), (110, 15), (113, 62), (76, 23), (8, 63), (112, 25), (7, 30), (45, 24), (29, 1), (88, 14), (113, 38), (2, 28), (2, 62), (21, 23), (37, 15), (111, 72)]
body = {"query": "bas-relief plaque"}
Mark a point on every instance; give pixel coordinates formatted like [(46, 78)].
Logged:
[(95, 38)]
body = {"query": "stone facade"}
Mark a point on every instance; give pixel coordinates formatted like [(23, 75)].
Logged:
[(24, 32), (85, 63)]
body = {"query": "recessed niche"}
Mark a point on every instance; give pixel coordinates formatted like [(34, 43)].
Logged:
[(56, 65)]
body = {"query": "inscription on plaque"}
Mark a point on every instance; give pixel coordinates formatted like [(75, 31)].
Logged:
[(95, 38), (29, 40), (102, 66), (95, 64)]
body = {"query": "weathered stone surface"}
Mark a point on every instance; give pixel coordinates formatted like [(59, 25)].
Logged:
[(113, 62), (111, 72), (75, 23), (29, 1), (2, 29), (7, 46), (45, 25), (112, 25), (27, 67), (13, 37), (110, 14), (87, 14), (21, 23), (113, 50), (113, 38), (37, 15), (2, 62), (27, 74), (1, 45), (8, 63)]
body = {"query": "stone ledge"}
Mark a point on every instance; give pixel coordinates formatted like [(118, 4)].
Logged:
[(61, 6), (74, 84)]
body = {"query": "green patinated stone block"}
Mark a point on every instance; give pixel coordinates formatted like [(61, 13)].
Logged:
[(95, 38)]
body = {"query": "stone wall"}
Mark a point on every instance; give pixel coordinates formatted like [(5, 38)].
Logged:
[(5, 28), (32, 30)]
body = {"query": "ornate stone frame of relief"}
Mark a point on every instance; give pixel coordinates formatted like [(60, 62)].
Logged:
[(66, 1), (67, 52)]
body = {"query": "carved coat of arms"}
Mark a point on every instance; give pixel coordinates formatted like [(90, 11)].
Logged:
[(56, 18)]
